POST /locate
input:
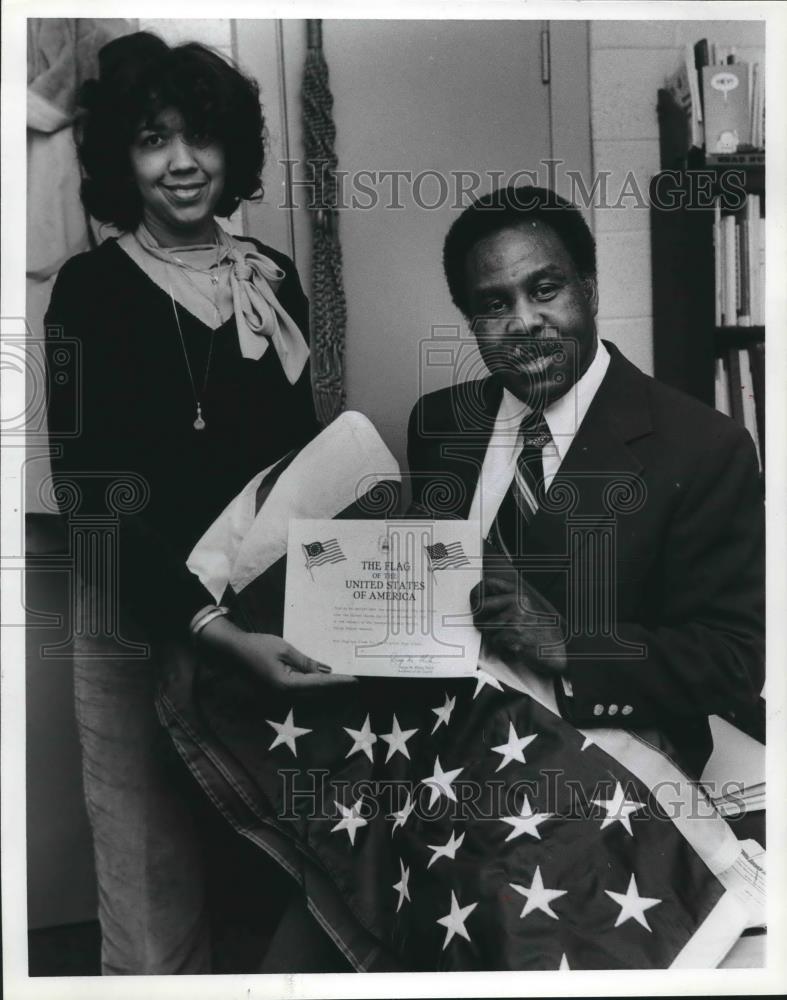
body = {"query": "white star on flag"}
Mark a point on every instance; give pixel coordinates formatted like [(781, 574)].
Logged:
[(444, 712), (587, 742), (564, 964), (482, 678), (619, 809), (397, 740), (513, 749), (287, 732), (454, 922), (632, 905), (403, 885), (364, 739), (526, 822), (351, 819), (440, 783), (400, 817), (447, 850), (538, 898)]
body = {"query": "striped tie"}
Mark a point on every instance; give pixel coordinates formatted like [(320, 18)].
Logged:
[(520, 503)]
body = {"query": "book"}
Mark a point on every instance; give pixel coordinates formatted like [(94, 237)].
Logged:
[(757, 106), (727, 123), (756, 354), (759, 249), (753, 224), (734, 382), (718, 270), (721, 388), (701, 58), (747, 400), (738, 273), (683, 87), (744, 271), (729, 311)]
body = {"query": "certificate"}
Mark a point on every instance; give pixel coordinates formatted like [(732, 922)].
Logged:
[(384, 598)]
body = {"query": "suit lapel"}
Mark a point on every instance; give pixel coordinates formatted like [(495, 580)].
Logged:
[(600, 470), (475, 406)]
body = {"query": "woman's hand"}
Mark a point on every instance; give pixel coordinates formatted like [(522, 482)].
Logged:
[(268, 657)]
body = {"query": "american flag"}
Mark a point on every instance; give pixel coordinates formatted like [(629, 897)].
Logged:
[(319, 553), (500, 839), (450, 556)]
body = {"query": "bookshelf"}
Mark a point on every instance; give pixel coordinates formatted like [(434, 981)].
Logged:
[(707, 241), (688, 339)]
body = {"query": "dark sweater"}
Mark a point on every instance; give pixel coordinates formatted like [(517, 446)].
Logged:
[(134, 406)]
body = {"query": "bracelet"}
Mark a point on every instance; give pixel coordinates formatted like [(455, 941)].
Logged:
[(202, 618)]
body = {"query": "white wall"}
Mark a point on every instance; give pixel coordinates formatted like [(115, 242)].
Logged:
[(629, 61), (404, 101)]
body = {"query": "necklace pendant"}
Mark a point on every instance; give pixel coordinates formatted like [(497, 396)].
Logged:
[(199, 423)]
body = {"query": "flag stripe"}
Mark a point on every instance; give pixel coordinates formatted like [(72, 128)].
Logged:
[(714, 937)]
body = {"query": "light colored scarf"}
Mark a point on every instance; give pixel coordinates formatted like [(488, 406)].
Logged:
[(247, 285)]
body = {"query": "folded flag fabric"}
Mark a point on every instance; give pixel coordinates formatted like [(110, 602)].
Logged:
[(463, 825), (346, 466), (452, 825), (446, 556), (319, 553)]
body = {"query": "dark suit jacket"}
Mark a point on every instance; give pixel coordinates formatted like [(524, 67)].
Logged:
[(663, 593)]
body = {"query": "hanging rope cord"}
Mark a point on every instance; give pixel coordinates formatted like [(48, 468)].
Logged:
[(328, 303)]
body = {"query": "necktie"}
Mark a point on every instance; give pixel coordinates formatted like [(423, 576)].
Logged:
[(520, 503)]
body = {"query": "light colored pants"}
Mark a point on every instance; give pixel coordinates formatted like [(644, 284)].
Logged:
[(149, 865)]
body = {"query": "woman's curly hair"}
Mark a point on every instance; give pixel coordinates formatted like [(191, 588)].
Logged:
[(140, 76)]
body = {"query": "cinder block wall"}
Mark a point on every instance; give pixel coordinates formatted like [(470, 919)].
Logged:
[(629, 61)]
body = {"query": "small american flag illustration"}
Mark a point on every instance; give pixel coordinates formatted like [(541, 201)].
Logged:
[(450, 556), (319, 553)]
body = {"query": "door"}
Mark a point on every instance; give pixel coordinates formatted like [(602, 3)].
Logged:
[(427, 113)]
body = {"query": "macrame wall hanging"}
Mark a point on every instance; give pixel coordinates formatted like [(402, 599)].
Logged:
[(328, 304)]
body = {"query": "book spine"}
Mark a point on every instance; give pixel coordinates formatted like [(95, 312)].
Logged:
[(762, 284), (701, 58), (718, 270), (737, 255), (728, 230), (695, 107), (744, 313), (734, 379), (721, 388), (756, 354), (747, 400), (753, 216)]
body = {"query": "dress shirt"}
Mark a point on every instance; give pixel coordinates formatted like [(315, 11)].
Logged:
[(564, 418)]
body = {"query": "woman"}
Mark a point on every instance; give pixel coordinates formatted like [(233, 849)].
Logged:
[(193, 376)]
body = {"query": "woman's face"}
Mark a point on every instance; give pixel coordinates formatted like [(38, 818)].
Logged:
[(180, 178)]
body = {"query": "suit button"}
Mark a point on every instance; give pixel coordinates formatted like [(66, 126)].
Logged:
[(627, 710), (613, 709), (598, 709)]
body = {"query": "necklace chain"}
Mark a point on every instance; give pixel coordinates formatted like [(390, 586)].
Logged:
[(199, 420)]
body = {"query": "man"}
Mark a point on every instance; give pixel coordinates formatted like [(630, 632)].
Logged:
[(632, 509)]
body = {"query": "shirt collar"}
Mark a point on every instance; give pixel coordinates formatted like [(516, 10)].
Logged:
[(564, 417)]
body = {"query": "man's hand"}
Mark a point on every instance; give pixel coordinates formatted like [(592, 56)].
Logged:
[(517, 623), (268, 657)]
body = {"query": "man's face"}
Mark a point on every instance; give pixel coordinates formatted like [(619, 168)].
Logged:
[(532, 314)]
